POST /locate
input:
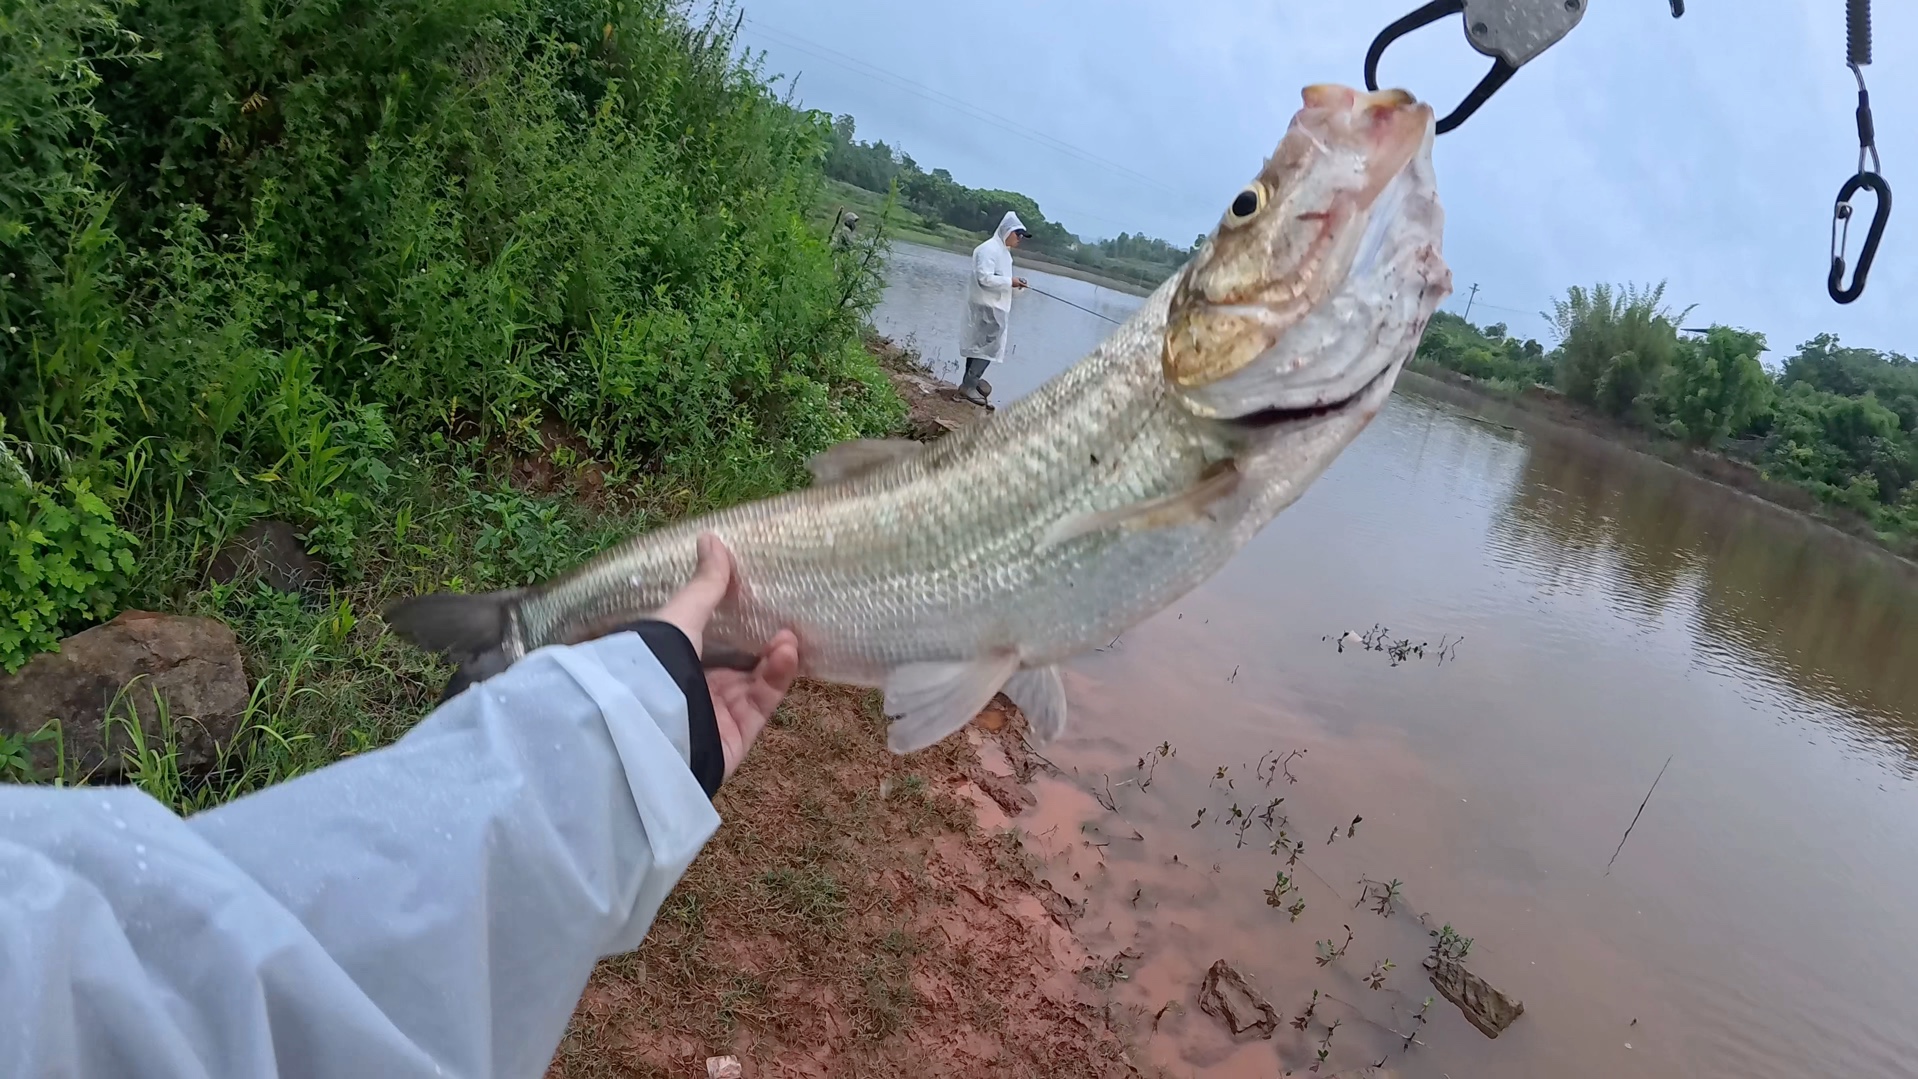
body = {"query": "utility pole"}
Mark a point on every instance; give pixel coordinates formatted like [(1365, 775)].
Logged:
[(1468, 301)]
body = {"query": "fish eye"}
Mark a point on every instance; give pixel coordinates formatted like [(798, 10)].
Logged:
[(1249, 202)]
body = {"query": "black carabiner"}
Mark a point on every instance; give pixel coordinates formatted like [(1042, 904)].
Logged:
[(1867, 176), (1841, 216), (1438, 9)]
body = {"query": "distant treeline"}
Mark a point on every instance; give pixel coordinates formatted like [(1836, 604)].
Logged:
[(936, 196), (1840, 422)]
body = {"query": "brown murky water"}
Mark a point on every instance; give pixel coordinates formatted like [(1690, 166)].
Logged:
[(1759, 921)]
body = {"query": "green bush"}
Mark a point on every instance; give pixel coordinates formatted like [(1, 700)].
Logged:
[(63, 562), (343, 263), (1716, 388), (1487, 355), (265, 252), (1614, 347)]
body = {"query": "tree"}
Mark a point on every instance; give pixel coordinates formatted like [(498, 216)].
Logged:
[(1614, 346), (1853, 372), (1716, 387)]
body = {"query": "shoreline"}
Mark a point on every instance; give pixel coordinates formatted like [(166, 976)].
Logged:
[(1558, 414)]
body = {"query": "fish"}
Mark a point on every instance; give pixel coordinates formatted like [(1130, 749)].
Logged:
[(944, 573)]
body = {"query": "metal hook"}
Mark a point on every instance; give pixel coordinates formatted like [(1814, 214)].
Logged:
[(1425, 16), (1512, 32)]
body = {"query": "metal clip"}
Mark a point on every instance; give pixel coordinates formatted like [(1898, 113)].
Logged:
[(1511, 32), (1865, 179)]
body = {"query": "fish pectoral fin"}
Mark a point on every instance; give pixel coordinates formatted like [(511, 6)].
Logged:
[(1041, 695), (927, 701), (859, 456), (1218, 481)]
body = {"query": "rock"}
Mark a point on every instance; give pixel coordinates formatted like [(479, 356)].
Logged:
[(272, 552), (1227, 996), (723, 1068), (1488, 1009), (193, 663)]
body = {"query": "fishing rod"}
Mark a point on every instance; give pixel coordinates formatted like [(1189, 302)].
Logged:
[(1069, 303)]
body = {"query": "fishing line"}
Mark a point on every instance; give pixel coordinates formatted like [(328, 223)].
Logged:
[(1069, 303)]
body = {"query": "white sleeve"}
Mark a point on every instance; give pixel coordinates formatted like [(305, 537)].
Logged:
[(432, 908), (985, 267)]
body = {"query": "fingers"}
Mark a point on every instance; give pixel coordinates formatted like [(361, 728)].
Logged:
[(777, 669), (692, 606), (749, 699)]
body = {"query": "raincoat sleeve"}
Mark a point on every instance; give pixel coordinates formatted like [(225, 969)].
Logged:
[(431, 908), (992, 271)]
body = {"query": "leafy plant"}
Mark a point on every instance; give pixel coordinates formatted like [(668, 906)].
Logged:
[(1448, 946), (63, 560)]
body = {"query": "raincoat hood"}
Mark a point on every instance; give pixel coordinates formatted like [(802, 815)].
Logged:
[(1008, 225)]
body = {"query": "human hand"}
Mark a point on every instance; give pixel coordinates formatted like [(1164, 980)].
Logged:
[(1018, 282), (742, 700)]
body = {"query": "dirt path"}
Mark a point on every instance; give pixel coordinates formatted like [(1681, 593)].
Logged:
[(860, 914)]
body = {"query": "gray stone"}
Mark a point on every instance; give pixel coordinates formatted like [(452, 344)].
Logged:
[(272, 552), (1488, 1009), (193, 664), (1227, 996)]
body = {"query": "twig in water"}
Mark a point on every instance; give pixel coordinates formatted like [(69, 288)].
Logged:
[(1327, 953), (1635, 816), (1283, 766), (1041, 757)]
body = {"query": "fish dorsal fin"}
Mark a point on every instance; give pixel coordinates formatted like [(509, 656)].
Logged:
[(1218, 481), (1041, 695), (927, 701), (861, 455)]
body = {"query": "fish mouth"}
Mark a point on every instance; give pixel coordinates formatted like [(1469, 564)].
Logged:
[(1279, 416)]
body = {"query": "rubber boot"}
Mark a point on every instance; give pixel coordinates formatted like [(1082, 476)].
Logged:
[(969, 389)]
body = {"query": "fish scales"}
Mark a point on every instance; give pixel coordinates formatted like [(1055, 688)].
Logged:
[(940, 555)]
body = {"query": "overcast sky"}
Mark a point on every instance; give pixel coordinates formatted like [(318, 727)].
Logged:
[(1705, 151)]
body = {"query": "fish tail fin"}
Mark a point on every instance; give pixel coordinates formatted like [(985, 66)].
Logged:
[(469, 628)]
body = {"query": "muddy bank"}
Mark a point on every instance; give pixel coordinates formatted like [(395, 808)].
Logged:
[(933, 406), (1545, 410)]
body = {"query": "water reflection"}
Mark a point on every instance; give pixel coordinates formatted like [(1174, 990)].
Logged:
[(1765, 594)]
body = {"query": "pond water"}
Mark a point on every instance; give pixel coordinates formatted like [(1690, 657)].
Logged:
[(1601, 614)]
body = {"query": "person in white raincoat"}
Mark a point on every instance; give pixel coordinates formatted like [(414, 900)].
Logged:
[(989, 304)]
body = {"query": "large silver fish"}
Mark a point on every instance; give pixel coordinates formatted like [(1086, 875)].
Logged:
[(947, 572)]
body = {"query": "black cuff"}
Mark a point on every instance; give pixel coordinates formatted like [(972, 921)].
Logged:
[(675, 653)]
